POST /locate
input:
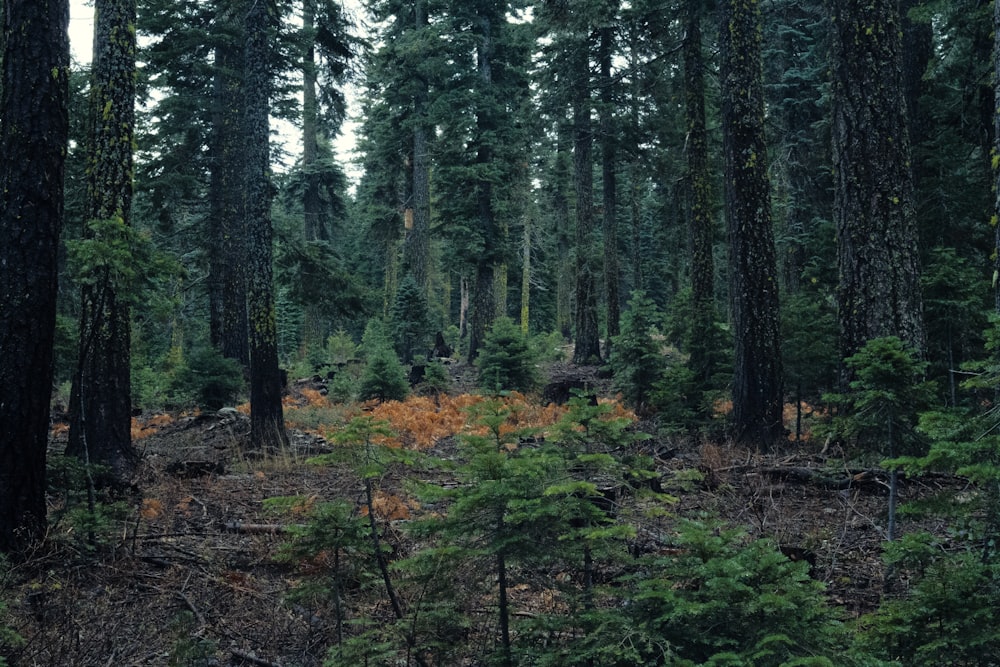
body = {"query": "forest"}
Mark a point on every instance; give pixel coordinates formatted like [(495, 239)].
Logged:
[(630, 332)]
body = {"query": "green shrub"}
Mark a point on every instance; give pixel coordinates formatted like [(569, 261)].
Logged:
[(506, 361)]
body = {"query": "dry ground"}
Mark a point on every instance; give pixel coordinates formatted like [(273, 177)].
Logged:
[(190, 576)]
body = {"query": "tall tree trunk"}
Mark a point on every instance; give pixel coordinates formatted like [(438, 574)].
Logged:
[(34, 129), (484, 298), (101, 398), (757, 378), (314, 228), (526, 276), (700, 220), (228, 259), (267, 424), (561, 220), (996, 154), (609, 166), (879, 290), (417, 247), (587, 348)]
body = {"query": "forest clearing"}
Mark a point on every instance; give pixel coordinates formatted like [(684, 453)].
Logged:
[(211, 562)]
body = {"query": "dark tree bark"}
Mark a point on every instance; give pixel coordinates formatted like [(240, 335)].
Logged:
[(228, 260), (483, 297), (757, 378), (313, 225), (587, 349), (416, 248), (267, 423), (996, 151), (101, 399), (34, 129), (879, 290), (609, 166), (563, 232), (700, 219)]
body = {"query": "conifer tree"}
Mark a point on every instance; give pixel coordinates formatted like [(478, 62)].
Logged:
[(879, 286), (267, 424), (101, 400), (34, 128), (757, 381)]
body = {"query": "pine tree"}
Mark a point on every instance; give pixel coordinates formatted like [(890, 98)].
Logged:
[(34, 128), (757, 382), (101, 400), (879, 286), (267, 424)]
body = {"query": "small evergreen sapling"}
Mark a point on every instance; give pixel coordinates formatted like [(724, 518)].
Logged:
[(638, 363), (506, 361), (384, 377)]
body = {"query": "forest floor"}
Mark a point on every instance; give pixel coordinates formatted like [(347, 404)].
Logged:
[(188, 573)]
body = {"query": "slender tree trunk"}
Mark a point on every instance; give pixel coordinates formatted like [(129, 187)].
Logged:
[(228, 261), (560, 216), (484, 298), (267, 424), (526, 276), (416, 249), (757, 378), (587, 348), (34, 129), (879, 290), (101, 397), (996, 154), (314, 227), (609, 167), (700, 220)]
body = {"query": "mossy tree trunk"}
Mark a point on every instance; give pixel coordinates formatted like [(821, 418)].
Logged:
[(996, 156), (879, 275), (609, 193), (101, 398), (267, 425), (757, 377), (417, 259), (227, 262), (34, 128), (489, 259), (701, 224), (587, 348)]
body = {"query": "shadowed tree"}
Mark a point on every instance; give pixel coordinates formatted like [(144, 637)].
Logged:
[(267, 424), (34, 128), (101, 398), (757, 378), (879, 284)]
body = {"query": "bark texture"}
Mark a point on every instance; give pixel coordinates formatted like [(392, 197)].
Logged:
[(879, 275), (34, 128), (101, 398), (700, 217), (267, 424), (228, 261), (587, 348), (757, 377)]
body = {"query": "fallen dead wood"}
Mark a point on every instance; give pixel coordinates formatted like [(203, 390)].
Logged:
[(871, 479), (252, 659), (261, 528)]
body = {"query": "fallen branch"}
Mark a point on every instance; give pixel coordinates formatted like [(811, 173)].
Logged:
[(252, 659), (261, 528)]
